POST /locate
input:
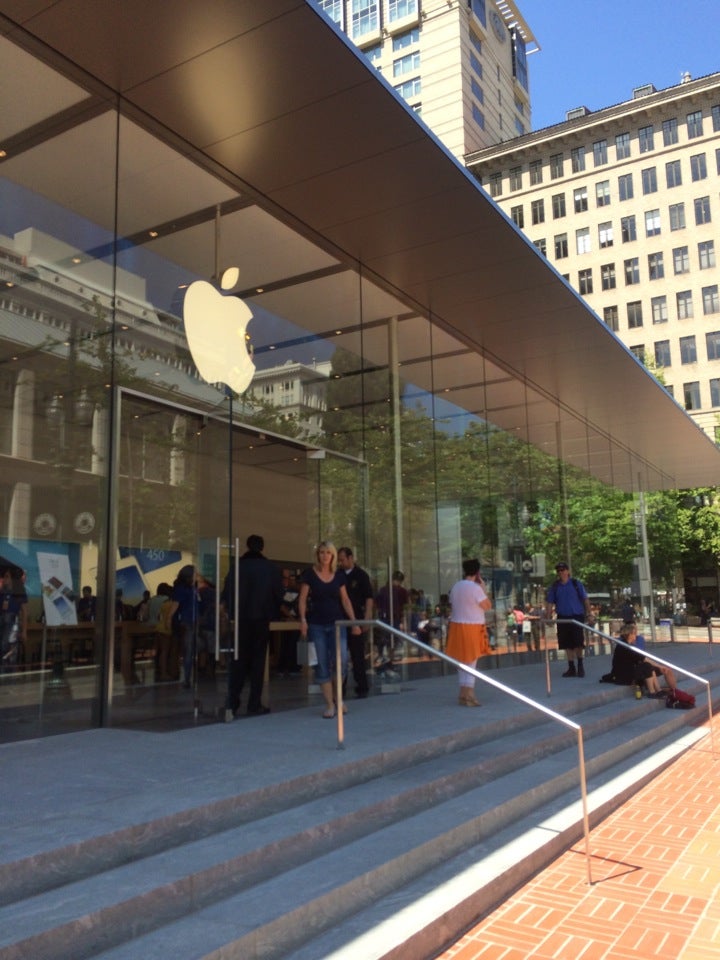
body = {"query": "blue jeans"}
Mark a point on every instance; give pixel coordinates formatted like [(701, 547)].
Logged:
[(323, 636)]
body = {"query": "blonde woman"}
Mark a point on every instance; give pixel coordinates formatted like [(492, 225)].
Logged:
[(324, 585), (467, 636)]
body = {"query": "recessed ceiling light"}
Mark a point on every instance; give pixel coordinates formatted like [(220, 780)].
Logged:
[(153, 233)]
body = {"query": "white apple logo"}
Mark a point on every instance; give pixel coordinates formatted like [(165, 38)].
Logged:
[(215, 330)]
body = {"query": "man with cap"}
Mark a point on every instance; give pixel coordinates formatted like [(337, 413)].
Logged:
[(568, 600)]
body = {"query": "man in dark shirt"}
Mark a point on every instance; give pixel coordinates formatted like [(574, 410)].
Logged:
[(260, 592), (360, 592)]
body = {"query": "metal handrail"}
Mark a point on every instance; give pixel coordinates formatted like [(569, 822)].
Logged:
[(648, 656), (339, 624)]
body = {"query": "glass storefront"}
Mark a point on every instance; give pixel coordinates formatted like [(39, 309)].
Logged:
[(363, 422)]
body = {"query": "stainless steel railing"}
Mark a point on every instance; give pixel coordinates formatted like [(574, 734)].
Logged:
[(378, 624)]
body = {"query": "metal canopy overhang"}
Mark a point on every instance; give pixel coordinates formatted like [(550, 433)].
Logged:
[(273, 95)]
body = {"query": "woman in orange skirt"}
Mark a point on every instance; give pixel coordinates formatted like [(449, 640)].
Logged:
[(467, 636)]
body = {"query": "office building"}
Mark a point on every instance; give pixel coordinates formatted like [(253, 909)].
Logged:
[(461, 65), (625, 204)]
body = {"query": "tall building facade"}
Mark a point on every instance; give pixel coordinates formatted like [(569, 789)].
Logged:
[(460, 64), (625, 203)]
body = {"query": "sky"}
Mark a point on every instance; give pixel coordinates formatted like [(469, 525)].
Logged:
[(593, 54)]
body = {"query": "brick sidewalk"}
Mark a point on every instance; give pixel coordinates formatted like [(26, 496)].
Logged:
[(656, 882)]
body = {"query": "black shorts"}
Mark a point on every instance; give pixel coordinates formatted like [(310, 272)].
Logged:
[(570, 635)]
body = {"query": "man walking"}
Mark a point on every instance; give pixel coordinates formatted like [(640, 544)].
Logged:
[(568, 600), (359, 590), (260, 592)]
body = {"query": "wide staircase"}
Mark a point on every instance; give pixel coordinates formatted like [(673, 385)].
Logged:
[(262, 839)]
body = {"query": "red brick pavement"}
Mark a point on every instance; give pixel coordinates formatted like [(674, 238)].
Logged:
[(656, 881)]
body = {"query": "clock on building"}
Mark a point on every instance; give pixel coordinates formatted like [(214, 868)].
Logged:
[(498, 26)]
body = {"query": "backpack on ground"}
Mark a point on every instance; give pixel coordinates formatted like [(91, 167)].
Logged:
[(679, 700)]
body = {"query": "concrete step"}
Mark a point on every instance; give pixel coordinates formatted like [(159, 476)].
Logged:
[(263, 873)]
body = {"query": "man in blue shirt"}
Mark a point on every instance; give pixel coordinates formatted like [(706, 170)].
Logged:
[(567, 599)]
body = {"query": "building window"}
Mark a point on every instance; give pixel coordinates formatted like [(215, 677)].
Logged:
[(710, 300), (556, 166), (712, 345), (558, 206), (688, 350), (702, 210), (403, 40), (610, 316), (715, 114), (622, 146), (652, 223), (673, 174), (706, 254), (602, 193), (334, 10), (365, 17), (538, 211), (677, 216), (478, 8), (541, 245), (634, 315), (475, 41), (585, 283), (681, 260), (662, 353), (670, 132), (600, 153), (625, 186), (715, 401), (561, 246), (577, 159), (646, 139), (717, 159), (698, 167), (582, 239), (638, 351), (517, 215), (516, 178), (605, 234), (495, 184), (694, 124), (649, 180), (628, 229), (397, 9), (410, 88), (410, 63), (659, 309), (632, 271), (536, 175), (684, 305), (374, 55), (691, 393), (478, 116), (607, 276), (580, 197), (656, 267), (477, 90)]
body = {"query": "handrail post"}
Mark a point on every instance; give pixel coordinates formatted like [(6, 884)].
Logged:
[(338, 690), (584, 795)]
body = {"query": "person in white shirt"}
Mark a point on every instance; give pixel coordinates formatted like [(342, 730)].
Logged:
[(467, 635)]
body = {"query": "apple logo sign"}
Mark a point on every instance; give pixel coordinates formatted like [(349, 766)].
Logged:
[(215, 330)]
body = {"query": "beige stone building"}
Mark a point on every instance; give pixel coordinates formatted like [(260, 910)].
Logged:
[(625, 203), (460, 64)]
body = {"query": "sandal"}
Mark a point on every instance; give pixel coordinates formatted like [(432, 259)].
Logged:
[(329, 713)]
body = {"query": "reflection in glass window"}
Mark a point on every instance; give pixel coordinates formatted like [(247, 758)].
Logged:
[(610, 317), (662, 353), (684, 304), (646, 139), (652, 223), (536, 175), (607, 276), (710, 299), (649, 180), (403, 40), (582, 238), (691, 395), (712, 345), (706, 254), (625, 186), (656, 268), (694, 124), (681, 260), (556, 166), (622, 146), (702, 210), (677, 216), (561, 246), (628, 229), (688, 350), (659, 309), (673, 175), (632, 271), (602, 193), (634, 314), (600, 153), (364, 19), (397, 9), (698, 167), (558, 206), (670, 131)]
